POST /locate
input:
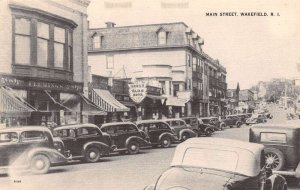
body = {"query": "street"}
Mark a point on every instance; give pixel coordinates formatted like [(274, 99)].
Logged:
[(132, 172)]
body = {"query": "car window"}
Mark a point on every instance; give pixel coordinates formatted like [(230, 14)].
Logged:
[(130, 128), (82, 131), (273, 137), (61, 133), (205, 120), (110, 129), (9, 137), (152, 126), (175, 123), (181, 123), (199, 157), (33, 136), (187, 121), (162, 126)]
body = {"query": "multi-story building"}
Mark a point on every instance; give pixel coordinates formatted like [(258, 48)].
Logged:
[(246, 100), (43, 61), (169, 53)]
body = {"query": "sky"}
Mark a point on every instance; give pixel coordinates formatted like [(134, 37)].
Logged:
[(252, 48)]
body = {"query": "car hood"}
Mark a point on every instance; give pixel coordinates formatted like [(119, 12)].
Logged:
[(193, 178)]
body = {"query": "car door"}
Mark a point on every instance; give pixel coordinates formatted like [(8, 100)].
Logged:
[(85, 135), (154, 132), (176, 125), (68, 136), (112, 130)]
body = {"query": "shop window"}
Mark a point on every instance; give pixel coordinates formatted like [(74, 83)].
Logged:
[(109, 61), (42, 41)]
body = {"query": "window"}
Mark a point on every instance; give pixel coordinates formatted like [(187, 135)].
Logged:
[(42, 44), (8, 137), (82, 131), (170, 88), (163, 86), (162, 38), (189, 84), (32, 136), (109, 61), (97, 41), (22, 41), (188, 60), (194, 64), (175, 89), (273, 137), (45, 42)]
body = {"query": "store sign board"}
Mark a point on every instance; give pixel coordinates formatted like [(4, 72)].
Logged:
[(39, 84), (137, 91)]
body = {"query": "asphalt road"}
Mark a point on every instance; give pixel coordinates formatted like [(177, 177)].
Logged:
[(128, 172)]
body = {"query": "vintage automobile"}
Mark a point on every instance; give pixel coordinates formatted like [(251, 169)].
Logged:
[(182, 130), (256, 118), (84, 141), (126, 137), (214, 121), (282, 147), (30, 148), (231, 120), (159, 132), (198, 126), (243, 117), (199, 164)]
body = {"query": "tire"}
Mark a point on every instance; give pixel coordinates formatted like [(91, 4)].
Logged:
[(185, 136), (165, 142), (208, 132), (238, 124), (222, 126), (92, 155), (133, 147), (39, 164), (274, 159)]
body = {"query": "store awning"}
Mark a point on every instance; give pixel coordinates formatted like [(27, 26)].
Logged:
[(89, 108), (105, 100), (12, 106), (175, 101), (155, 97), (57, 103)]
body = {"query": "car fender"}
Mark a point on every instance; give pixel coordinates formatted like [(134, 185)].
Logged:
[(104, 148), (53, 155), (170, 135), (189, 131), (138, 139)]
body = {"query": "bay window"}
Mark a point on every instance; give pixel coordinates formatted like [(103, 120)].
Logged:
[(22, 41), (59, 44), (42, 44)]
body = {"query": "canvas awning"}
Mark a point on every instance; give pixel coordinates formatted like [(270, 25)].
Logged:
[(57, 103), (12, 106), (105, 100), (89, 108), (175, 101)]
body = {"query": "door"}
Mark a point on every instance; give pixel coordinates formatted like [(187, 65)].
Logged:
[(85, 135), (68, 136)]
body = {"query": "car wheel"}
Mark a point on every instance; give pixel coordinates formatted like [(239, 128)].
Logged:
[(165, 142), (238, 125), (40, 164), (208, 132), (274, 159), (185, 136), (133, 147), (92, 155), (222, 126)]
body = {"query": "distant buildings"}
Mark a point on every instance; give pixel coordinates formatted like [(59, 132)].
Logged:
[(170, 54)]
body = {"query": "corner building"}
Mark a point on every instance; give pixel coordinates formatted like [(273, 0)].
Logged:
[(43, 76), (168, 53)]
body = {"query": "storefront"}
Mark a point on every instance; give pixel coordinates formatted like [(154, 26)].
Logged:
[(52, 102)]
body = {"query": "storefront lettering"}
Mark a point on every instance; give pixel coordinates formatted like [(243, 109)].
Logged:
[(137, 92)]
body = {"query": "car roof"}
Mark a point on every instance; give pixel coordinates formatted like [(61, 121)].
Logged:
[(172, 119), (149, 121), (25, 128), (188, 118), (207, 118), (117, 123), (249, 154), (75, 126)]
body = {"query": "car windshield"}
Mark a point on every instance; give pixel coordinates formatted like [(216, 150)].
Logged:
[(211, 158)]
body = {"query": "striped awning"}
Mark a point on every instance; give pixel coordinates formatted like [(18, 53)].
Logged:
[(10, 105), (105, 100)]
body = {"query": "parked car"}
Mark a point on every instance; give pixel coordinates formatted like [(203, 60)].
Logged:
[(282, 147), (218, 164), (198, 126), (216, 122), (256, 118), (243, 117), (231, 120), (182, 130), (84, 141), (159, 132), (28, 147), (126, 136)]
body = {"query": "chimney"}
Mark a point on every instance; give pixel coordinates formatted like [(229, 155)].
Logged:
[(110, 24)]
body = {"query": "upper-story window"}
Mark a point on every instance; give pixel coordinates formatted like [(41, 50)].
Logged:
[(189, 60), (194, 64), (42, 39), (162, 38), (109, 61), (97, 41)]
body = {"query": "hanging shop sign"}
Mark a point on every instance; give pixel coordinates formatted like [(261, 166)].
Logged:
[(137, 91)]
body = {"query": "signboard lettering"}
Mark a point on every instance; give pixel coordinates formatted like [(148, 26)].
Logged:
[(137, 91)]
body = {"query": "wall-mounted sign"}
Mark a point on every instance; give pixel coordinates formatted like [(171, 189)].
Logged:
[(137, 91)]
